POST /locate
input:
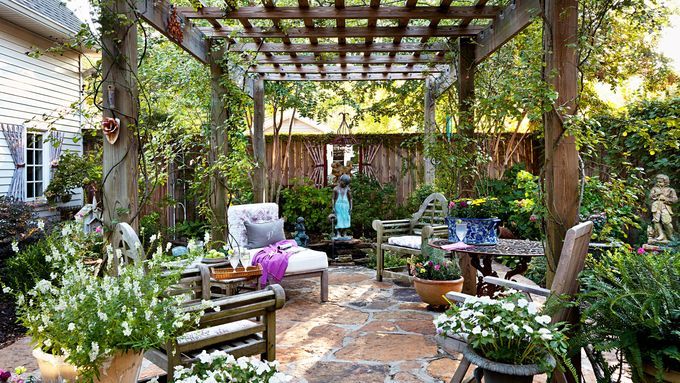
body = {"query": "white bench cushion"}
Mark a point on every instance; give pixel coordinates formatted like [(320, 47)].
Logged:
[(303, 260), (410, 241)]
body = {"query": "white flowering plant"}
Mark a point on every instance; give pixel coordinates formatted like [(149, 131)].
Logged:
[(219, 366), (507, 330), (88, 319)]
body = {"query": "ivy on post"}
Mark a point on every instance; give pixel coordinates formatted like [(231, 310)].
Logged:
[(430, 128), (219, 144), (466, 84), (259, 147), (120, 104)]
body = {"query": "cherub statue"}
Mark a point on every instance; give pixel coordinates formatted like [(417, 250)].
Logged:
[(301, 236), (663, 197), (342, 205), (338, 169)]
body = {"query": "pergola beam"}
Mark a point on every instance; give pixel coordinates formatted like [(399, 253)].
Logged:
[(346, 77), (332, 32), (511, 21), (327, 48), (348, 69), (384, 12), (382, 59), (157, 13)]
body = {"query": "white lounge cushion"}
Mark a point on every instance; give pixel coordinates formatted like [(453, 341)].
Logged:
[(211, 332), (303, 260), (410, 241)]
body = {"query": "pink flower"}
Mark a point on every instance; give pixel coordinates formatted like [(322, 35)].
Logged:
[(463, 203), (452, 205), (533, 218), (437, 267), (98, 230), (640, 250)]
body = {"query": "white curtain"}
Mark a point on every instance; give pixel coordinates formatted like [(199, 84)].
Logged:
[(14, 136), (56, 142)]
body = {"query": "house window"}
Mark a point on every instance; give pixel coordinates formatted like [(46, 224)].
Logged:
[(34, 165)]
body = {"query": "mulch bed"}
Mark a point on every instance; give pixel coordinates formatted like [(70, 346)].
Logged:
[(10, 330)]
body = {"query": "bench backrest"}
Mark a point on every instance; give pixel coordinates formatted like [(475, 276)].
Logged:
[(432, 211), (238, 215)]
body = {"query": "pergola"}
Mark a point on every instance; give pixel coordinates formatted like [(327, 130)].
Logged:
[(386, 46)]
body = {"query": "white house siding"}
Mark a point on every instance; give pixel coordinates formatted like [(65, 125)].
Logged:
[(31, 88)]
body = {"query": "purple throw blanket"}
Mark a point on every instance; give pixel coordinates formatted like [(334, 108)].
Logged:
[(274, 261)]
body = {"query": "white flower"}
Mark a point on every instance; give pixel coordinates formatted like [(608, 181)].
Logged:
[(43, 286), (205, 358), (522, 302), (543, 319), (168, 246), (532, 308), (477, 330), (513, 327), (485, 333), (508, 306), (48, 343), (94, 352), (153, 238), (102, 316), (496, 319), (545, 334), (71, 326), (127, 331), (528, 329), (465, 314), (161, 334), (15, 246), (41, 224), (6, 289)]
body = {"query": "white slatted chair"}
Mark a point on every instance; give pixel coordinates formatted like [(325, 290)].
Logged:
[(565, 283)]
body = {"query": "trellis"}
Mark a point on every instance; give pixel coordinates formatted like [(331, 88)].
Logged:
[(277, 55)]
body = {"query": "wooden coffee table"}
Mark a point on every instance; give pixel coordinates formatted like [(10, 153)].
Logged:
[(481, 258)]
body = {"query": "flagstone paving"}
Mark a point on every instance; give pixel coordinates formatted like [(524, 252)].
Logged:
[(367, 332)]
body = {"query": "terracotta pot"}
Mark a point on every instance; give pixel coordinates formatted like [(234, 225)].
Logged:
[(494, 372), (432, 292), (123, 367), (53, 368), (668, 376)]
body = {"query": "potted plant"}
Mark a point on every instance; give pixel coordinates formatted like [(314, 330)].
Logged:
[(435, 276), (508, 338), (480, 217), (222, 367), (98, 327), (632, 303)]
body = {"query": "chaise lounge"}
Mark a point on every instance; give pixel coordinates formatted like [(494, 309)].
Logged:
[(302, 264)]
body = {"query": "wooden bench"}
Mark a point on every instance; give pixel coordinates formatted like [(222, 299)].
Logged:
[(428, 221), (242, 325)]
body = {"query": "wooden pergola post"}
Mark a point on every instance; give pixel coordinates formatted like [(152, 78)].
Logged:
[(561, 166), (430, 127), (120, 98), (466, 84), (259, 147), (219, 147)]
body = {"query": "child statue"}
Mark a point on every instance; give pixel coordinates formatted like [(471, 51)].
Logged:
[(342, 206), (663, 197), (301, 236)]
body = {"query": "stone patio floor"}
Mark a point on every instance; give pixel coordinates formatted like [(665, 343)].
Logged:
[(367, 332)]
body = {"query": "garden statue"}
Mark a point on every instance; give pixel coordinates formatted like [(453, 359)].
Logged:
[(301, 237), (338, 169), (663, 197), (342, 206)]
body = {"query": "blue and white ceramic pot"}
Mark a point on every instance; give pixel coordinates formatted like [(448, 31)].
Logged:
[(480, 231)]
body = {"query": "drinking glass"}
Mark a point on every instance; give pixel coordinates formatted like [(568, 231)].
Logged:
[(234, 259), (461, 231), (245, 258)]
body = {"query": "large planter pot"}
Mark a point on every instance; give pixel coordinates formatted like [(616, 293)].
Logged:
[(123, 367), (480, 231), (53, 368), (432, 292), (668, 376), (494, 372)]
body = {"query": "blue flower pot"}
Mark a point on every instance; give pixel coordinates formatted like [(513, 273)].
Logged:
[(481, 231)]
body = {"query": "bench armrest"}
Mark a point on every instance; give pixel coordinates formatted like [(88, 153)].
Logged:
[(518, 286)]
